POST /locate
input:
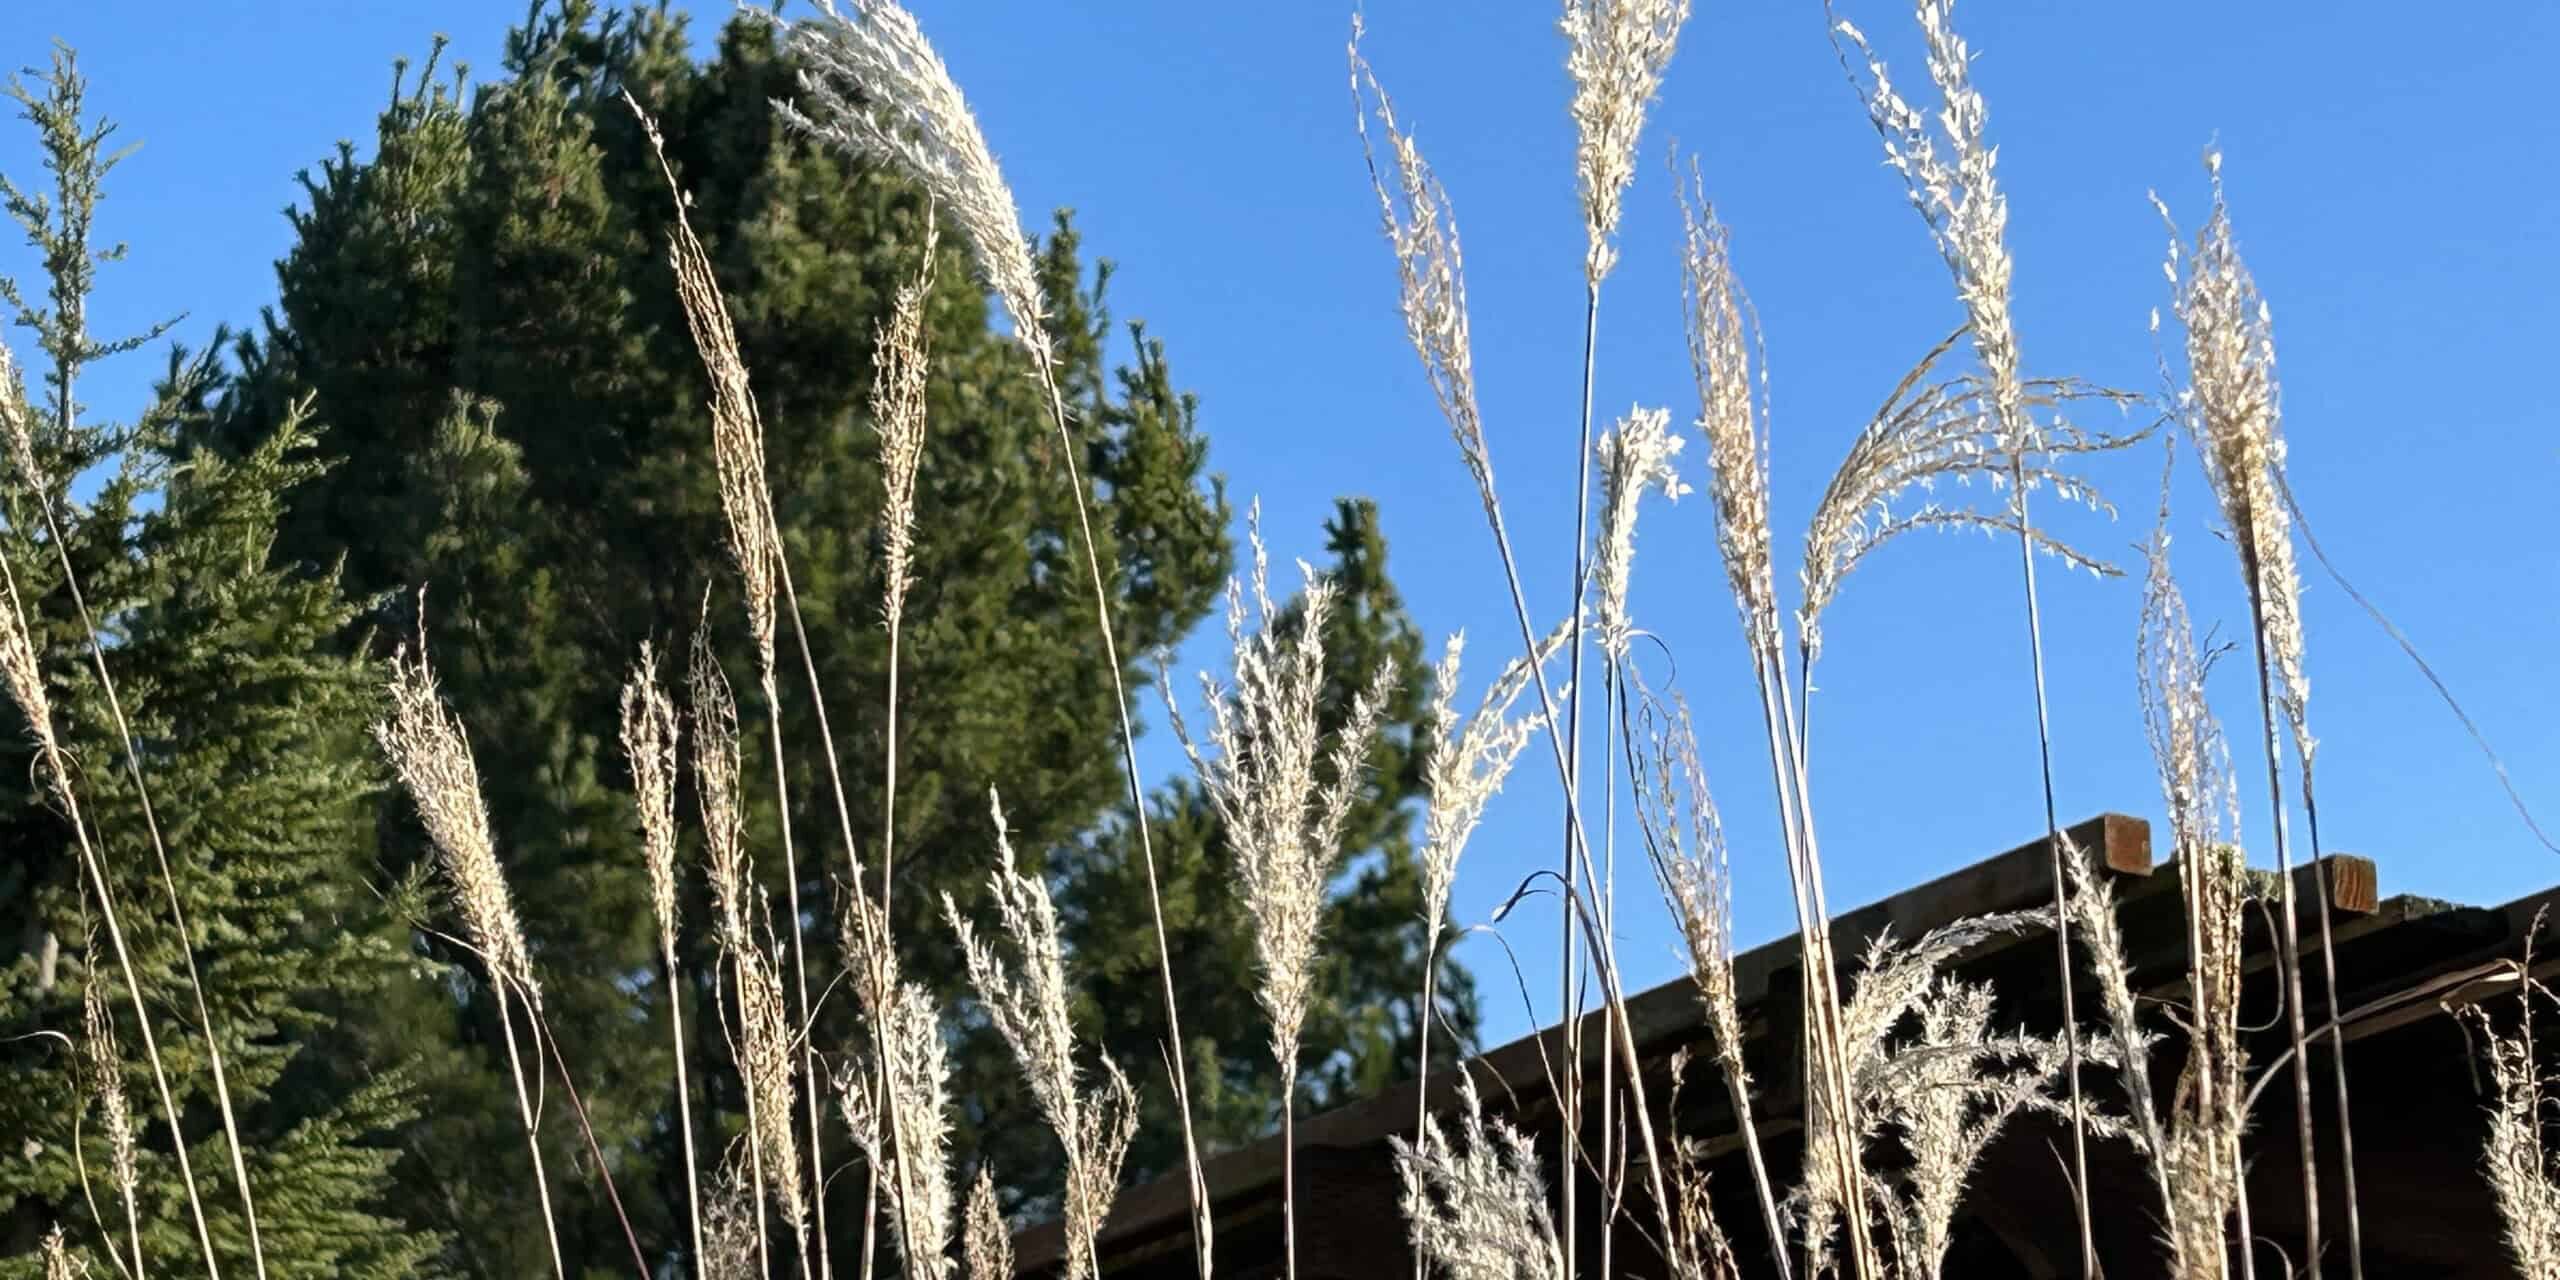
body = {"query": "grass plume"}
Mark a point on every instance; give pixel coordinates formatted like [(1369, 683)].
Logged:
[(1027, 1000), (431, 756)]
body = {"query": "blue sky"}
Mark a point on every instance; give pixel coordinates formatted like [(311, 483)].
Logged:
[(2390, 179)]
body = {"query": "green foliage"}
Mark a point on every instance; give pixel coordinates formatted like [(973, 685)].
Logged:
[(512, 416), (259, 777)]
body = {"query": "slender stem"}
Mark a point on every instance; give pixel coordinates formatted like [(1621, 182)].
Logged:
[(684, 1102), (1825, 1061), (1422, 1060), (89, 861), (2061, 887), (2248, 1241), (844, 831), (1738, 1087), (544, 1040), (882, 995), (1614, 694), (160, 854), (2289, 931), (747, 1091), (1569, 1002), (532, 1130), (1615, 995), (1200, 1224), (58, 780), (802, 1026), (1288, 1170), (2337, 1030), (1729, 1063)]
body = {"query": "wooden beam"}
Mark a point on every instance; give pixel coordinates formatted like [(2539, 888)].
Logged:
[(2355, 884)]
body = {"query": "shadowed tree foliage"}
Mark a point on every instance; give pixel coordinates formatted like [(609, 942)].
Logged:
[(512, 415), (253, 724)]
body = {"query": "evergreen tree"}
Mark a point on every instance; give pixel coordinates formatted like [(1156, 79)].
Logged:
[(512, 415), (254, 729)]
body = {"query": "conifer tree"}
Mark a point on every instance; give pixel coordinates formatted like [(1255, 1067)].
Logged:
[(512, 412), (253, 720)]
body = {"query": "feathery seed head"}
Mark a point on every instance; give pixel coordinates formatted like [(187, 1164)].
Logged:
[(873, 86), (1468, 759), (897, 414), (737, 432), (1282, 794), (105, 1075), (13, 424), (649, 746), (1720, 355), (715, 778), (2200, 1162), (769, 1059), (60, 1263), (1423, 233), (987, 1246), (731, 1242), (1930, 432), (2231, 409), (431, 756), (1477, 1207), (1638, 455), (1695, 873), (913, 1064), (2518, 1158), (25, 678), (1615, 50), (1027, 1002), (1956, 194)]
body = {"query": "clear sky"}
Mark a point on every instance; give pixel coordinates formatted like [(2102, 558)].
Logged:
[(2391, 178)]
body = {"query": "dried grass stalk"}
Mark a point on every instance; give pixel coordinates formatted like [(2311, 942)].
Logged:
[(737, 432), (1695, 874), (2199, 1163), (2518, 1159), (988, 1246), (768, 1052), (1615, 52), (431, 756), (1942, 1135), (1722, 358), (2230, 407), (1947, 164), (1946, 1094), (1422, 234), (755, 544), (1283, 797), (60, 1263), (649, 746), (875, 87), (1640, 455), (766, 1030), (1282, 792), (911, 1133), (1027, 1001), (1477, 1204), (732, 1227), (25, 682), (103, 1080)]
